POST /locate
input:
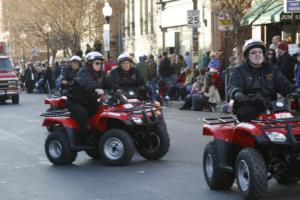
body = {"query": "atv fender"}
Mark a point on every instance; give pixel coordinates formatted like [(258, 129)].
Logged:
[(245, 134), (65, 122), (102, 123), (223, 135)]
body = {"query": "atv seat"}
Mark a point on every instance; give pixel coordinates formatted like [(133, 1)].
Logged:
[(60, 102)]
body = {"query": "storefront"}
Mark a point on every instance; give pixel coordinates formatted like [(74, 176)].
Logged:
[(268, 19)]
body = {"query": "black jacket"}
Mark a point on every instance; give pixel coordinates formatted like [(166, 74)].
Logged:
[(286, 65), (83, 87), (118, 78), (165, 69), (69, 75), (266, 80)]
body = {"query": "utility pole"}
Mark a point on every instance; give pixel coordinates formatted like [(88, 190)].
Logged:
[(195, 37)]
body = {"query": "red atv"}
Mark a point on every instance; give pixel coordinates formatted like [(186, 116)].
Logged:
[(253, 152), (115, 130)]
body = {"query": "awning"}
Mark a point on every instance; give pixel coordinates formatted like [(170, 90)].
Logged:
[(263, 12)]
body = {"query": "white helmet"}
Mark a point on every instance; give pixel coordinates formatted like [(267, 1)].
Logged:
[(75, 59), (123, 57), (94, 55), (251, 44)]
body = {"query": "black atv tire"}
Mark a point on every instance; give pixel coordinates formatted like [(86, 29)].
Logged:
[(50, 128), (15, 99), (109, 144), (58, 149), (287, 179), (216, 179), (159, 146), (94, 154), (251, 174)]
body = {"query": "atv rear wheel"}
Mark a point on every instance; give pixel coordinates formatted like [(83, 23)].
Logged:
[(156, 145), (116, 147), (58, 150), (251, 174), (215, 178)]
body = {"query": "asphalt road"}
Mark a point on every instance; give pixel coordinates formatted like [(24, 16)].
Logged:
[(26, 174)]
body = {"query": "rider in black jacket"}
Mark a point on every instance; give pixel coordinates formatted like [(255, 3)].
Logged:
[(85, 90), (256, 77), (125, 76), (70, 73)]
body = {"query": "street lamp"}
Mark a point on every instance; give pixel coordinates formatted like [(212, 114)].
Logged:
[(107, 11), (47, 29), (23, 37)]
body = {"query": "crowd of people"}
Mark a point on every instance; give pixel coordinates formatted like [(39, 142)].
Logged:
[(169, 77)]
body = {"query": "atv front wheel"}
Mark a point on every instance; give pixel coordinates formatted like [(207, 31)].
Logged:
[(251, 174), (215, 178), (58, 150), (116, 147), (155, 145)]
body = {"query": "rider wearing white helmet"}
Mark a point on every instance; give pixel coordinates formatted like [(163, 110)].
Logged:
[(86, 89), (256, 77), (125, 75), (70, 72)]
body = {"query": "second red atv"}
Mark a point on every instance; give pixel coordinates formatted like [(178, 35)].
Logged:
[(115, 131), (253, 152)]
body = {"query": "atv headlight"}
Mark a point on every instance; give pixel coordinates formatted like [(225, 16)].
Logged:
[(276, 136), (137, 120)]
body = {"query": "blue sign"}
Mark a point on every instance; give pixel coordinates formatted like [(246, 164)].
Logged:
[(292, 6)]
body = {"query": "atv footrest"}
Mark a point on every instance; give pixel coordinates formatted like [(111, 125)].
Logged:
[(220, 120), (81, 148)]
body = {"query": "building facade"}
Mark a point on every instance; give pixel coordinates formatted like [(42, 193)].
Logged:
[(154, 26)]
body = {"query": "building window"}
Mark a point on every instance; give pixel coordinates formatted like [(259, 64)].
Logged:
[(151, 17), (133, 17), (146, 17), (128, 18), (141, 18)]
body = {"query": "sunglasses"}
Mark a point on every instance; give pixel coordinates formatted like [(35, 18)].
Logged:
[(98, 63), (271, 54)]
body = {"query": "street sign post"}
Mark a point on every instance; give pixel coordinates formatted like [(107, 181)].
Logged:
[(193, 19), (291, 6), (224, 22)]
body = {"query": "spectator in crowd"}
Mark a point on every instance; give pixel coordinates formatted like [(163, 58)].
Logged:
[(29, 78), (271, 56), (181, 65), (285, 62), (88, 49), (207, 97), (153, 74), (144, 68), (188, 60), (164, 71), (275, 40), (214, 61), (206, 59), (298, 70), (134, 61)]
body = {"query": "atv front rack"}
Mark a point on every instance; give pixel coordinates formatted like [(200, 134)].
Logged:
[(220, 120), (272, 121), (56, 113)]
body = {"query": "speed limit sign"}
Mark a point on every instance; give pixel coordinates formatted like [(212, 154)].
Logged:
[(193, 19)]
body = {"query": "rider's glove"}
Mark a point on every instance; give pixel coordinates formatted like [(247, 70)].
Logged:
[(99, 92), (240, 97)]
